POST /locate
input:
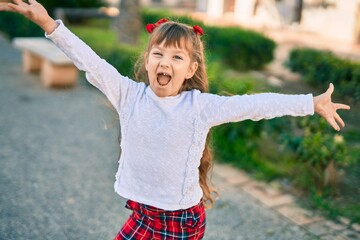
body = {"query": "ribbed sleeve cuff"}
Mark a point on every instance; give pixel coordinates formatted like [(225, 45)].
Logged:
[(60, 28), (310, 104)]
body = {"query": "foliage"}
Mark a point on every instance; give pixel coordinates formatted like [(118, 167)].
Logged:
[(240, 49), (222, 81), (96, 37), (321, 67), (333, 208), (14, 25), (123, 57), (318, 149)]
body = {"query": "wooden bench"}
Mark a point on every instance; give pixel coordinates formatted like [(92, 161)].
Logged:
[(40, 54)]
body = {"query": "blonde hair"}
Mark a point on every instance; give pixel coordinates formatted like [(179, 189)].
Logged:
[(182, 35)]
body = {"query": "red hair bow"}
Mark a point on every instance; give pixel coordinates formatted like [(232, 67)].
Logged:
[(151, 26), (198, 30)]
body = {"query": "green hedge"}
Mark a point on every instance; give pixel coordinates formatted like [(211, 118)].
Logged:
[(123, 58), (322, 67), (15, 25), (240, 49)]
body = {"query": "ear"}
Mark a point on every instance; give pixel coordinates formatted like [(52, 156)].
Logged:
[(146, 60), (192, 69)]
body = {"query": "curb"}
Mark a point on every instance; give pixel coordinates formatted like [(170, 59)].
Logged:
[(285, 205)]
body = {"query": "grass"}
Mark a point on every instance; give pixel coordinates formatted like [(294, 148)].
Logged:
[(97, 37)]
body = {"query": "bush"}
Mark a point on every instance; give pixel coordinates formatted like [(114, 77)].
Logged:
[(240, 49), (123, 58), (14, 25), (238, 143), (321, 68), (322, 153)]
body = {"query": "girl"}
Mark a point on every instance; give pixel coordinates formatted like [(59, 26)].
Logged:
[(165, 120)]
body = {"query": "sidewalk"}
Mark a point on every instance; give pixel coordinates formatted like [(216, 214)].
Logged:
[(285, 205), (58, 156)]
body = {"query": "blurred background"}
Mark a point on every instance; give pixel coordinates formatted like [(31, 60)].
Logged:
[(284, 46)]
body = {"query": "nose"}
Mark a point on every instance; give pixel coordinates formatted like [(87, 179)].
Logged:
[(164, 63)]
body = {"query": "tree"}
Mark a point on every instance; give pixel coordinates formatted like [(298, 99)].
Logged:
[(128, 23), (298, 10)]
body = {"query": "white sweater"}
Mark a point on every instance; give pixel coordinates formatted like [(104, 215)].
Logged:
[(162, 139)]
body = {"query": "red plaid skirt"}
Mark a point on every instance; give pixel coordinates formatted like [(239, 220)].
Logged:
[(148, 222)]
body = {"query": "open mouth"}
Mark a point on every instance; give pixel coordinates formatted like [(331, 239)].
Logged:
[(163, 79)]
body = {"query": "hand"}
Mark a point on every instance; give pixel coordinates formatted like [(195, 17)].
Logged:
[(327, 109), (34, 11)]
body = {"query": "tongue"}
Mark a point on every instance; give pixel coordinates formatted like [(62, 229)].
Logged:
[(163, 79)]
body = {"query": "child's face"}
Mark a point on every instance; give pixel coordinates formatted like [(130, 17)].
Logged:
[(168, 68)]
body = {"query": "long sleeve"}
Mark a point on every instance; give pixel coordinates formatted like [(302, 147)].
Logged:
[(216, 110), (98, 72)]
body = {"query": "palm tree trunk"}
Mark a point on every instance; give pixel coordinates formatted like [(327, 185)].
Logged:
[(128, 24)]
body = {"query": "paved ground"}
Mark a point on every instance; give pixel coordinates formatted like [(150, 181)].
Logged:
[(58, 157)]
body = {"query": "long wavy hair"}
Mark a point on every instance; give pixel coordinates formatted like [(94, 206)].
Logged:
[(183, 36)]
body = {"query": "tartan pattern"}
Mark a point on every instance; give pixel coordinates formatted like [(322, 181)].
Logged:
[(148, 222)]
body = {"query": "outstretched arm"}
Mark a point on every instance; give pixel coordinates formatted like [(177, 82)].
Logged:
[(327, 109), (34, 11)]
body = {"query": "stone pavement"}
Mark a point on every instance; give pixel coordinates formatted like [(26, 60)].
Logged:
[(285, 205), (58, 157)]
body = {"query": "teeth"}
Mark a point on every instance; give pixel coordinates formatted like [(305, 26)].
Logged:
[(163, 79)]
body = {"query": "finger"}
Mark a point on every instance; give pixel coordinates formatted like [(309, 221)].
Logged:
[(342, 106), (333, 123), (339, 120), (16, 8), (330, 90), (20, 7), (5, 7)]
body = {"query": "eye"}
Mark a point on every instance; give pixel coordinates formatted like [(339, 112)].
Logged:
[(157, 54), (177, 57)]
